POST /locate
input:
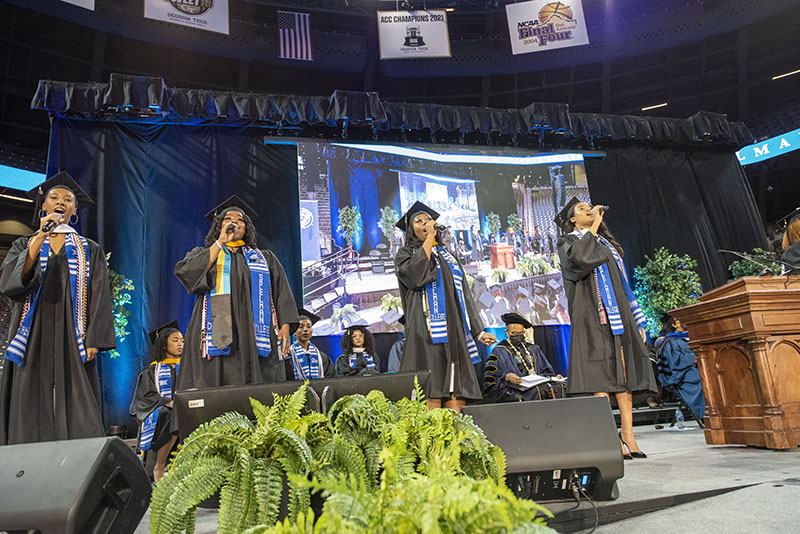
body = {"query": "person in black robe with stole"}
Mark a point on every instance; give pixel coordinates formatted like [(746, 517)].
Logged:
[(50, 389), (308, 362), (453, 379), (602, 361), (153, 400), (227, 302), (513, 358), (358, 357)]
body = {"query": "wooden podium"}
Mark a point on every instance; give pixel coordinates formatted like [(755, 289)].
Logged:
[(746, 335), (502, 256)]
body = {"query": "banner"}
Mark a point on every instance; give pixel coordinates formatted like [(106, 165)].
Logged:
[(545, 25), (769, 148), (309, 230), (410, 34), (211, 15), (88, 4)]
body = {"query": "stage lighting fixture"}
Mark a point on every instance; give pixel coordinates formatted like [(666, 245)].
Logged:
[(786, 74), (654, 107)]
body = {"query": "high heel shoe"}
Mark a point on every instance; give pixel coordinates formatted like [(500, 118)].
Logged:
[(631, 454)]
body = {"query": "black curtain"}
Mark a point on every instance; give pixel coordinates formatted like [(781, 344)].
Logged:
[(689, 201), (153, 185)]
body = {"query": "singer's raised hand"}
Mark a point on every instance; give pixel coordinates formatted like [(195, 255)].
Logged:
[(55, 217)]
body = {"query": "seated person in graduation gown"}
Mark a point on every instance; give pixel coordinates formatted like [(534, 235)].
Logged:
[(676, 366), (514, 358), (308, 362), (152, 400), (396, 352), (244, 305), (791, 246), (60, 319), (358, 357)]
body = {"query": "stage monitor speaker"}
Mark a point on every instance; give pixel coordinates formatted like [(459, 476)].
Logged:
[(554, 446), (81, 486)]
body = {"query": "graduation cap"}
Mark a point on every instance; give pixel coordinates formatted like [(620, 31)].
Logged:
[(564, 215), (417, 208), (234, 203), (524, 292), (158, 332), (62, 180), (402, 320), (515, 318), (305, 314)]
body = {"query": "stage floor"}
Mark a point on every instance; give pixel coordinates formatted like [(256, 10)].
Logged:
[(683, 486)]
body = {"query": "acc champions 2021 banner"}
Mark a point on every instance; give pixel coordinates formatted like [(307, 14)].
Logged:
[(544, 25), (410, 34), (211, 15)]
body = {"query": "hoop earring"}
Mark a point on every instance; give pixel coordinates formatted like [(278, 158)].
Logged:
[(42, 214), (73, 223)]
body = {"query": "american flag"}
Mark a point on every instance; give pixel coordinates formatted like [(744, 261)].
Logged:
[(294, 35)]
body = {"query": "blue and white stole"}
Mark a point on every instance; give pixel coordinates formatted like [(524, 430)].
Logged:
[(353, 360), (435, 303), (163, 378), (606, 289), (260, 299), (77, 250), (307, 365)]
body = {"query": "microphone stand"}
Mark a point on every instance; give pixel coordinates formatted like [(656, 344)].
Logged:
[(766, 270)]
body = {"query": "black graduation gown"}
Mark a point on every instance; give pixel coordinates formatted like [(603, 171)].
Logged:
[(243, 365), (414, 271), (501, 362), (343, 366), (54, 395), (146, 399), (328, 369), (595, 354)]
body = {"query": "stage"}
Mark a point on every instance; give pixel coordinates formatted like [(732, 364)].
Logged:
[(683, 486)]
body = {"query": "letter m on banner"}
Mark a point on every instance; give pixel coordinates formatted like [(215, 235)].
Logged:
[(294, 36)]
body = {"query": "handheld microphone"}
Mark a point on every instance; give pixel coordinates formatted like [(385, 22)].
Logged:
[(231, 227), (440, 227), (49, 225), (605, 208)]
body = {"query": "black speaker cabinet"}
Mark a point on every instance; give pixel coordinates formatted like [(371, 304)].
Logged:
[(553, 445), (81, 486)]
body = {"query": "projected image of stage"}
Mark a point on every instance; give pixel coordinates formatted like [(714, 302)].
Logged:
[(497, 207)]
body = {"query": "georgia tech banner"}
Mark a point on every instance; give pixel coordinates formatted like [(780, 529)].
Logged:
[(410, 34), (211, 15), (545, 25)]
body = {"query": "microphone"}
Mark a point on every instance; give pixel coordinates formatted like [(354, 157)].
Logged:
[(605, 208), (49, 225), (231, 227), (440, 227), (766, 270)]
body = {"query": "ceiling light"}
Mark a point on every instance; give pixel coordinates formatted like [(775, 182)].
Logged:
[(654, 107), (12, 197), (786, 74)]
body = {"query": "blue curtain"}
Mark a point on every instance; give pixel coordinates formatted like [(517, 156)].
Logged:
[(153, 185)]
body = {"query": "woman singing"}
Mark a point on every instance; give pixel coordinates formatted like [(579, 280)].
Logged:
[(442, 322), (152, 400), (607, 352), (243, 297), (358, 355), (60, 320)]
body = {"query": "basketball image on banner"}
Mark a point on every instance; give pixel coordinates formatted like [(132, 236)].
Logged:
[(211, 15), (545, 25), (410, 34)]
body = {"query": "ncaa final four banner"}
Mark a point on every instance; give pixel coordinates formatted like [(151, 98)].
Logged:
[(410, 34), (211, 15), (545, 25)]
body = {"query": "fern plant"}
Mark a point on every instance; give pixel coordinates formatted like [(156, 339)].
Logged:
[(500, 274), (533, 264), (246, 462)]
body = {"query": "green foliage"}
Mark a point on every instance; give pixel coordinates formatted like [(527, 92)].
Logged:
[(343, 316), (382, 466), (121, 288), (388, 219), (515, 222), (500, 274), (665, 282), (391, 302), (349, 221), (740, 268), (531, 264), (493, 222)]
